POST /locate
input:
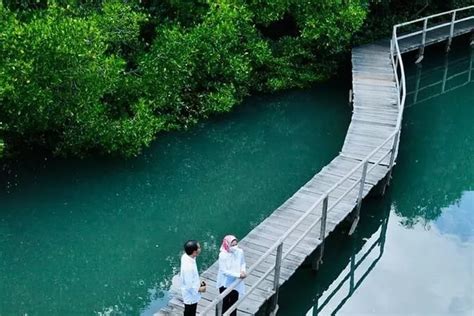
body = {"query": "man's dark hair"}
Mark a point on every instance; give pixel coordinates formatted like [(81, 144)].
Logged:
[(190, 246)]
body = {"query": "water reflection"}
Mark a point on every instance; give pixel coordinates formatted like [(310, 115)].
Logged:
[(386, 268), (436, 150), (347, 263), (450, 222), (349, 280), (459, 68), (421, 261)]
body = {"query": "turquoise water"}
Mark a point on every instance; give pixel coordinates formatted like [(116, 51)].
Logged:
[(103, 236), (413, 252), (79, 237)]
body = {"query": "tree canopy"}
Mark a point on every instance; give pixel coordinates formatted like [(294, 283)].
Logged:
[(107, 75)]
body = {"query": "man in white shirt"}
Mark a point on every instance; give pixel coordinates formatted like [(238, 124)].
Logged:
[(191, 285)]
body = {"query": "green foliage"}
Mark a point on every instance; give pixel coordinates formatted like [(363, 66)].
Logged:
[(320, 31), (2, 143), (21, 5), (107, 75), (54, 77), (182, 12), (120, 25), (382, 15), (266, 12), (194, 72), (329, 24)]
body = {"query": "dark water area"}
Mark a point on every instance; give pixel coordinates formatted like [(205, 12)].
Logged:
[(413, 251), (104, 236)]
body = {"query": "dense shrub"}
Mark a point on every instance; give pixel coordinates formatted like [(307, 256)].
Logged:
[(56, 78), (107, 75)]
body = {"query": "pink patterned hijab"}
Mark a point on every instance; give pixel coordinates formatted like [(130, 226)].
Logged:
[(226, 242)]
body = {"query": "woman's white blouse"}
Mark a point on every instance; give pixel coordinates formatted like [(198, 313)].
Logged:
[(230, 266)]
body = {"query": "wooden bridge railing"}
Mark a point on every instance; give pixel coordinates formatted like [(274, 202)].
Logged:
[(453, 16), (323, 202)]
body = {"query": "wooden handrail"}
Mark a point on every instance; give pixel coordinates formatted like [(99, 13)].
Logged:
[(435, 15)]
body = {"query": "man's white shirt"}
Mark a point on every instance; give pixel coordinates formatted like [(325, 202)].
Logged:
[(190, 281)]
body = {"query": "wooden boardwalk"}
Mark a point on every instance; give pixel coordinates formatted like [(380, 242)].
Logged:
[(435, 35), (301, 224)]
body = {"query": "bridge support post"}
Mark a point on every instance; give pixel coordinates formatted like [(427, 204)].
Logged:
[(322, 234), (451, 32), (276, 280), (385, 184), (392, 160), (359, 199), (423, 42)]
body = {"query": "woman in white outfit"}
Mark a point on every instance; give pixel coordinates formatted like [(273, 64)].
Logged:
[(231, 267)]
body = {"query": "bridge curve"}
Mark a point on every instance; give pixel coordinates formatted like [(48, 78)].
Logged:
[(282, 242)]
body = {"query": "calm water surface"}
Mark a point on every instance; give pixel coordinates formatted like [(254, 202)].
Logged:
[(413, 252), (104, 236)]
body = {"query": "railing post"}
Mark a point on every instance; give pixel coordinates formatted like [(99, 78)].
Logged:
[(219, 309), (394, 148), (276, 279), (393, 51), (322, 234), (451, 32), (391, 45), (359, 198), (392, 158), (392, 42), (361, 187), (423, 42)]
